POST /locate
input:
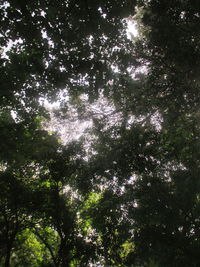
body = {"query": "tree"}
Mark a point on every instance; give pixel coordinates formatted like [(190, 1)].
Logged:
[(53, 46), (162, 199), (130, 196)]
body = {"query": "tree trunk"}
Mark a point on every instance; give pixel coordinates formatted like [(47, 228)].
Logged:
[(64, 254), (8, 255)]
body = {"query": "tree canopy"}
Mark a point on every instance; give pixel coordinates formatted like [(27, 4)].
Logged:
[(127, 191)]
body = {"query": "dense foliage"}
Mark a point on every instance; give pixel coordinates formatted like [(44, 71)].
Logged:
[(127, 192)]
